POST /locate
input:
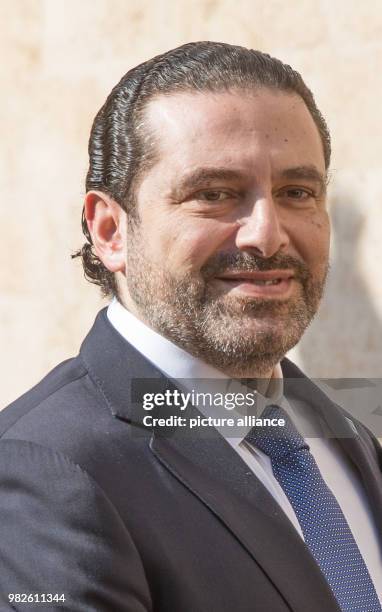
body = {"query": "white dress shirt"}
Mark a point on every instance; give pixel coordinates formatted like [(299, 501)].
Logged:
[(337, 471)]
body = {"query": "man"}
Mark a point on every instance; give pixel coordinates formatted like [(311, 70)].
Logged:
[(205, 217)]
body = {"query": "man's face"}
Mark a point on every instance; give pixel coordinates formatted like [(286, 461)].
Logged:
[(230, 253)]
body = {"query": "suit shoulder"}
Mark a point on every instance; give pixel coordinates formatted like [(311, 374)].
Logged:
[(63, 374), (67, 413)]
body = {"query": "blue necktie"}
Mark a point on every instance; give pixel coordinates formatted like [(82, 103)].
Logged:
[(326, 531)]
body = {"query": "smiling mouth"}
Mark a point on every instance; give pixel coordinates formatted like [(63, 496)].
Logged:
[(275, 281), (270, 283), (269, 277)]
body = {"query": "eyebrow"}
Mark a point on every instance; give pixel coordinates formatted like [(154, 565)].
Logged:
[(205, 175), (309, 172)]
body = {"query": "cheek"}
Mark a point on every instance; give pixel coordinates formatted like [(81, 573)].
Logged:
[(313, 240), (184, 245)]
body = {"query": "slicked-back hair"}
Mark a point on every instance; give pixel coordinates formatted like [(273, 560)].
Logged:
[(118, 151)]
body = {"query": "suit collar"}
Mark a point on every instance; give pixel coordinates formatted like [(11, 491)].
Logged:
[(298, 386), (117, 369)]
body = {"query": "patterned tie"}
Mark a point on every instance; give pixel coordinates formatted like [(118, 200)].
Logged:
[(326, 531)]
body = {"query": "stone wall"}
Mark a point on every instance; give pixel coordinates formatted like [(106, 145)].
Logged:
[(60, 58)]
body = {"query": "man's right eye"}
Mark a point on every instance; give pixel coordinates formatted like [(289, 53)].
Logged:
[(213, 195)]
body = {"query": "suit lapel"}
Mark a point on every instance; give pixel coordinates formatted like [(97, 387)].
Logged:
[(360, 452), (355, 440)]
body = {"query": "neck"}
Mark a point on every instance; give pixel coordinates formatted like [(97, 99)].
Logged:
[(259, 380)]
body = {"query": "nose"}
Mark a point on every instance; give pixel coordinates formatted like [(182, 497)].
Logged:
[(261, 230)]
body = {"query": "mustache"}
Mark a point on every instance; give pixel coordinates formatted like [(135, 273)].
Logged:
[(248, 262)]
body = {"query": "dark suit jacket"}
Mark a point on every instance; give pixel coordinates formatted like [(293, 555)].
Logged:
[(119, 518)]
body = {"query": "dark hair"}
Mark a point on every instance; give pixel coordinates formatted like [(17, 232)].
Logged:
[(117, 151)]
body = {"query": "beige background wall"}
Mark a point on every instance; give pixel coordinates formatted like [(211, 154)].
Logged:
[(60, 58)]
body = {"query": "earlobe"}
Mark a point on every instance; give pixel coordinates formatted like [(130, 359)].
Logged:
[(106, 221)]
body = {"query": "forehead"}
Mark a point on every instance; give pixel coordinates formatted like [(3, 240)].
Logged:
[(230, 127)]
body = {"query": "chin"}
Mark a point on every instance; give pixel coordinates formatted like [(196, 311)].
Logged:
[(248, 345)]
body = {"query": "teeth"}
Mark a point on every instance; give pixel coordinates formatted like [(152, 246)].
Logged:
[(276, 281)]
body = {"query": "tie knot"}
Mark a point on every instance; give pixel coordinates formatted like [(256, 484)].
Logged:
[(276, 441)]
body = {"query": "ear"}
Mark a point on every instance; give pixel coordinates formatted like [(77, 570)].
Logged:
[(106, 221)]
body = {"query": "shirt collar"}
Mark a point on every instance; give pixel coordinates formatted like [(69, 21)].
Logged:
[(170, 359)]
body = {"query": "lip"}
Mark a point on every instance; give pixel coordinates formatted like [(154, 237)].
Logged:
[(265, 275), (243, 283)]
